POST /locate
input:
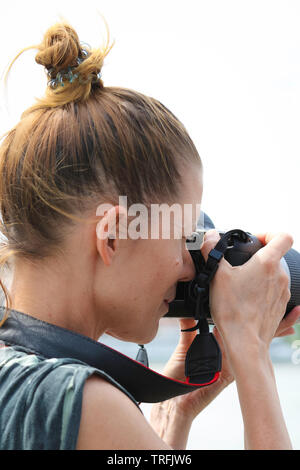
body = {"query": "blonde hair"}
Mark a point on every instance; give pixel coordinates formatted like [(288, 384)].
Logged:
[(79, 143)]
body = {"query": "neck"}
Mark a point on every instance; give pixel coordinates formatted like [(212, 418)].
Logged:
[(58, 295)]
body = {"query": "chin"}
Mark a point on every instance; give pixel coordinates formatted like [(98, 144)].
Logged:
[(141, 338), (150, 335), (146, 336)]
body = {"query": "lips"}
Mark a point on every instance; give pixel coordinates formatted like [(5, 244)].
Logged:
[(169, 300)]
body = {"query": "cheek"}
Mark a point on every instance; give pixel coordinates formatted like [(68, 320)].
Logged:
[(178, 267), (177, 262), (169, 271)]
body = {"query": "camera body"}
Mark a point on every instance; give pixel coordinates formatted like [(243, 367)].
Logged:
[(238, 252)]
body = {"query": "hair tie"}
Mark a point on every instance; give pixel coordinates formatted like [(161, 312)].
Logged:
[(68, 74)]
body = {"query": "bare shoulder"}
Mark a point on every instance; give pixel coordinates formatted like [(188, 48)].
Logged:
[(110, 420)]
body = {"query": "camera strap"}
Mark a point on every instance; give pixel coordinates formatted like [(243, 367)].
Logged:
[(204, 352), (142, 384)]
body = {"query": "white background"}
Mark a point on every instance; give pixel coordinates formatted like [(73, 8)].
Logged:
[(229, 70)]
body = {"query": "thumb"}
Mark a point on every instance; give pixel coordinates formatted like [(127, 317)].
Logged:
[(211, 238)]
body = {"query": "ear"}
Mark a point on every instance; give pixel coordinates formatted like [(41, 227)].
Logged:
[(108, 230)]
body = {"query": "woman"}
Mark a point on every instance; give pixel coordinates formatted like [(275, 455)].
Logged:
[(80, 146)]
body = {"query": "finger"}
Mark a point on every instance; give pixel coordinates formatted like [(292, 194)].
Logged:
[(289, 331), (289, 320), (276, 245), (216, 331), (185, 323), (217, 335), (211, 238), (266, 237), (262, 237)]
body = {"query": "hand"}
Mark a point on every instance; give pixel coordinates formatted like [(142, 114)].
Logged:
[(191, 404), (248, 302), (194, 402), (285, 327)]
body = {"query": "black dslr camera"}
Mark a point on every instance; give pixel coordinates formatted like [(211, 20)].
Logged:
[(238, 249)]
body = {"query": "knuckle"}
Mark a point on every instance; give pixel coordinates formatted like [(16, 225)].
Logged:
[(270, 265), (287, 296), (212, 233), (285, 285), (288, 238), (211, 237), (284, 279)]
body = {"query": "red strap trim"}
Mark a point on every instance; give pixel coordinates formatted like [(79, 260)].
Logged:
[(215, 378), (187, 382)]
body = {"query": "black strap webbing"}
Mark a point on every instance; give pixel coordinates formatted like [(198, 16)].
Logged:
[(49, 340), (203, 360)]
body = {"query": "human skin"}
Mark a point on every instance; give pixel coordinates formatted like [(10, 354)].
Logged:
[(245, 358), (102, 286), (119, 287)]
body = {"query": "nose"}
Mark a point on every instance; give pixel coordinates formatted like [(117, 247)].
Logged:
[(188, 268)]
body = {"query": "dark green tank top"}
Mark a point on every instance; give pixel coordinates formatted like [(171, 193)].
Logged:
[(40, 400)]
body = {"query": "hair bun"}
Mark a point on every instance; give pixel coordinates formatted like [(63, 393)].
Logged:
[(62, 54), (67, 60), (60, 48)]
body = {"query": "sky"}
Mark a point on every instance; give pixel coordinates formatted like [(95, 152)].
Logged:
[(229, 70)]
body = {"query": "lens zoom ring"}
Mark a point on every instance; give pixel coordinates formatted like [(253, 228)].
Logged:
[(292, 257)]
